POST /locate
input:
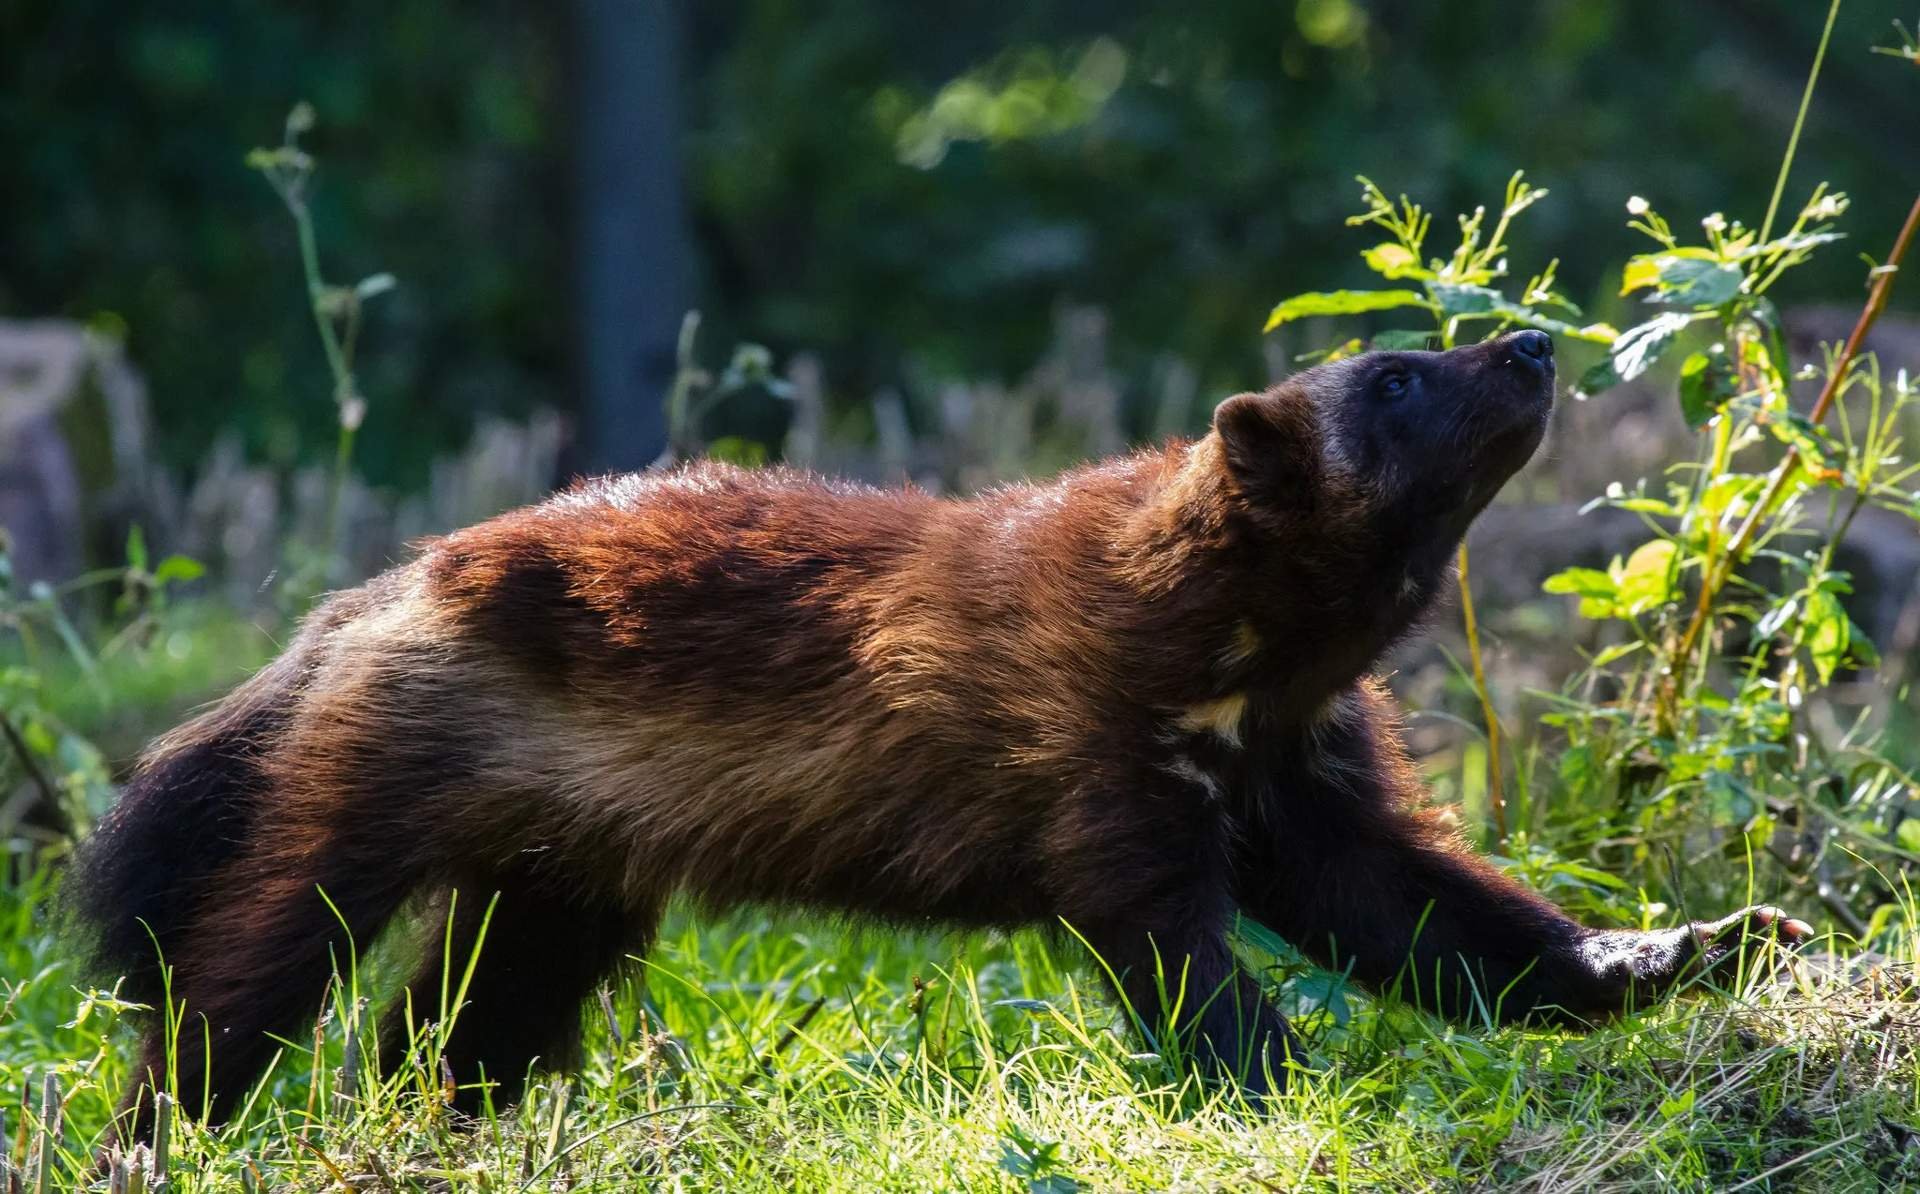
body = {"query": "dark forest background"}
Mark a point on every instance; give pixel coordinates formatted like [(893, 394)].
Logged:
[(911, 191)]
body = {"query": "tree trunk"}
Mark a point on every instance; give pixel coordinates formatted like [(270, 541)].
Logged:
[(632, 254)]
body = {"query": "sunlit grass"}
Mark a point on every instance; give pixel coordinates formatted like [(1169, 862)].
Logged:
[(771, 1053)]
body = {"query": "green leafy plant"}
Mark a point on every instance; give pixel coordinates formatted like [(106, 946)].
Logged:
[(1459, 294), (1693, 727), (66, 779), (1696, 723), (1732, 617), (1036, 1162), (1458, 291), (697, 391)]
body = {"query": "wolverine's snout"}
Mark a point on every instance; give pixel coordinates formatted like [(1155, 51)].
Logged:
[(1530, 349)]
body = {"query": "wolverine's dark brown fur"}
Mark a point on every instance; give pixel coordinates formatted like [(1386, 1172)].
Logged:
[(1135, 700)]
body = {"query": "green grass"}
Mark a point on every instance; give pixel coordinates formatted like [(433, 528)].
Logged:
[(769, 1053), (777, 1053)]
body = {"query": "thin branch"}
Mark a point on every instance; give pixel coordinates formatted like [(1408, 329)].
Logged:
[(1496, 798), (48, 793)]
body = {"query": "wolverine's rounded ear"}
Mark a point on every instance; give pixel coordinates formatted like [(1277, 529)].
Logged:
[(1268, 438)]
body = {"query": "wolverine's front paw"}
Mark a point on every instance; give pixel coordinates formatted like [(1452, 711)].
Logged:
[(1643, 967), (1717, 943)]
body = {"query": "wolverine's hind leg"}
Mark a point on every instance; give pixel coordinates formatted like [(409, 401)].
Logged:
[(536, 954), (254, 964)]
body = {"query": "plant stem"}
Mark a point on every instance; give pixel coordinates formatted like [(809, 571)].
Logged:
[(316, 297), (1496, 800), (49, 795), (1793, 138), (1711, 583), (28, 762), (339, 363), (686, 377), (342, 459)]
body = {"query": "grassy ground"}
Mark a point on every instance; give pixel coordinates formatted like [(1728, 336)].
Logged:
[(770, 1053), (775, 1054)]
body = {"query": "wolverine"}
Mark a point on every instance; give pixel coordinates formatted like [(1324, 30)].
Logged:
[(1137, 702)]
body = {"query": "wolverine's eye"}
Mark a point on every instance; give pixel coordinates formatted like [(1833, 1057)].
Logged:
[(1394, 384)]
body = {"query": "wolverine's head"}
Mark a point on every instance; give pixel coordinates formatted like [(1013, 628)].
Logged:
[(1399, 444)]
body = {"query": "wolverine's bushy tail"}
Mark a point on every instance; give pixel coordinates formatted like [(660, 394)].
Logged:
[(146, 868)]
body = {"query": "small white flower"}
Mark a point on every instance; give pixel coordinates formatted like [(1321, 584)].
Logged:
[(1715, 223), (1637, 206), (1829, 207)]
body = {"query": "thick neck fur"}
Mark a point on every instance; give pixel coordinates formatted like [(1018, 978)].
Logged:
[(1226, 587)]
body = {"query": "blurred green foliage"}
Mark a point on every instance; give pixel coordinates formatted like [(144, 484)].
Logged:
[(908, 188), (128, 203)]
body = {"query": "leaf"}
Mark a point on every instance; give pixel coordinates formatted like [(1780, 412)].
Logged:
[(1261, 937), (1461, 299), (1598, 591), (1795, 242), (1327, 990), (1037, 1160), (1617, 652), (1908, 835), (374, 285), (1641, 345), (1576, 768), (1729, 489), (1402, 341), (1864, 652), (1777, 617), (1645, 505), (1568, 869), (735, 449), (1645, 580), (1038, 1007), (1587, 582), (1632, 352), (1813, 441), (136, 548), (1483, 302), (39, 738), (178, 569), (1830, 633), (1342, 302), (1393, 261), (1705, 385), (1699, 284), (1594, 380), (1683, 278), (1337, 352), (1729, 801)]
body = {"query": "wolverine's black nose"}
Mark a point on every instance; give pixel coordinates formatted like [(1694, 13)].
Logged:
[(1533, 346)]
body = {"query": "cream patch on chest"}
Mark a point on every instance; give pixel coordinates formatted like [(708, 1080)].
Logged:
[(1222, 718), (1243, 647)]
